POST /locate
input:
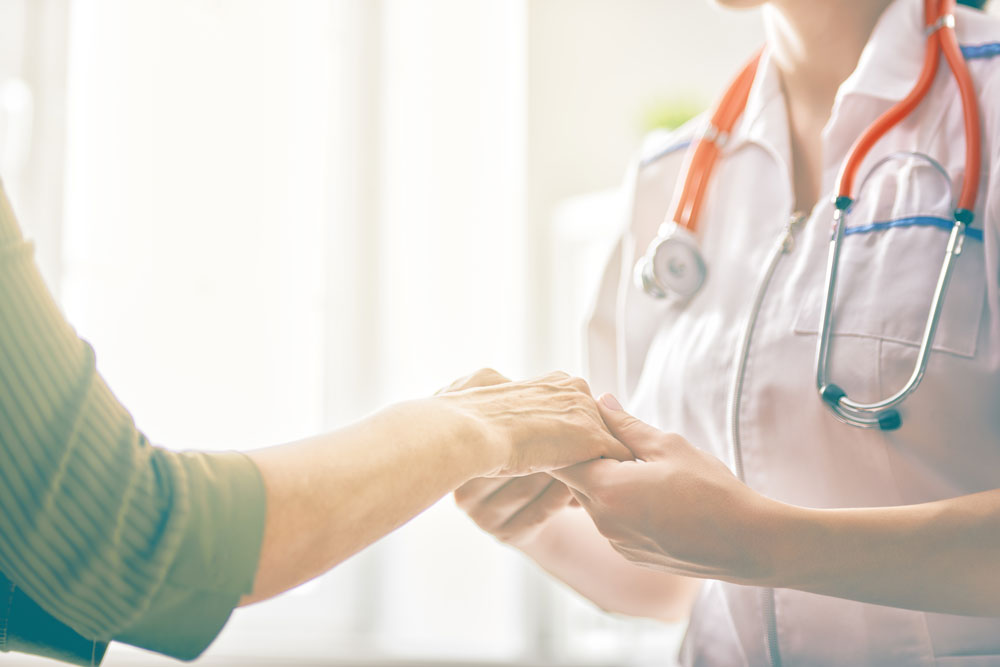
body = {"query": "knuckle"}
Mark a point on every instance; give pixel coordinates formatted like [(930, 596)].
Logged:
[(462, 383), (484, 377), (463, 500), (458, 385), (488, 521)]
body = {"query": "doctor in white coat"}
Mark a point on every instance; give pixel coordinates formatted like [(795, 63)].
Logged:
[(788, 536)]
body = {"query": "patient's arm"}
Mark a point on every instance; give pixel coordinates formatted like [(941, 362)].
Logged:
[(330, 496)]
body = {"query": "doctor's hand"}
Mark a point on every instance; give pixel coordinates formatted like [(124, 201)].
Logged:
[(514, 510), (675, 508), (533, 426)]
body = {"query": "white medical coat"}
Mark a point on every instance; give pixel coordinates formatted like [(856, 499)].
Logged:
[(674, 363)]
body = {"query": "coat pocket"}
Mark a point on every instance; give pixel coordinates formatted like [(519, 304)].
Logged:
[(888, 274)]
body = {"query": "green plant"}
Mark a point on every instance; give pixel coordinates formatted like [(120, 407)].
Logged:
[(670, 114)]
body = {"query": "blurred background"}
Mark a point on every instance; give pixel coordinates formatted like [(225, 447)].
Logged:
[(271, 217)]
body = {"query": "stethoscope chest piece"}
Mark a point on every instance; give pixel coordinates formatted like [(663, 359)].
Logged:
[(673, 265)]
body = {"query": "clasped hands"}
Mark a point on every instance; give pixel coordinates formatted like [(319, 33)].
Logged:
[(660, 501)]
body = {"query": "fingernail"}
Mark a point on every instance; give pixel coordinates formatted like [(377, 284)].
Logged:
[(611, 403)]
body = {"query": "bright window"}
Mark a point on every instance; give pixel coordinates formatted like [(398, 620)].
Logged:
[(272, 217)]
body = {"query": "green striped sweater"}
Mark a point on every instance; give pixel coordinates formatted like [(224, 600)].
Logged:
[(111, 536)]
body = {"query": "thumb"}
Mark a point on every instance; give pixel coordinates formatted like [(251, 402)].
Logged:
[(637, 435)]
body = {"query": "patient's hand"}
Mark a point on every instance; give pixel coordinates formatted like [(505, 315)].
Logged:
[(513, 509), (537, 425)]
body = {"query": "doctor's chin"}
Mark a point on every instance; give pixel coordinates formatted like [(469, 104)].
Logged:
[(502, 333)]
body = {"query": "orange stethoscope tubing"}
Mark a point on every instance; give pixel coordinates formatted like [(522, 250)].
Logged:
[(701, 158), (939, 22), (940, 28), (673, 264), (941, 38)]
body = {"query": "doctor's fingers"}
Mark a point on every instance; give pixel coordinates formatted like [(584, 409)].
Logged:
[(609, 520), (595, 482), (499, 491), (530, 517), (646, 442), (515, 506), (475, 490), (484, 377)]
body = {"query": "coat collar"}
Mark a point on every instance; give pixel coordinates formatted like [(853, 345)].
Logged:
[(888, 67), (890, 63)]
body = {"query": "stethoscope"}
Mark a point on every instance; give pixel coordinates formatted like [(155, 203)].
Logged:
[(674, 267)]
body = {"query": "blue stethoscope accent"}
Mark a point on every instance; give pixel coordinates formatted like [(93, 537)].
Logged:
[(673, 148), (915, 221), (981, 51)]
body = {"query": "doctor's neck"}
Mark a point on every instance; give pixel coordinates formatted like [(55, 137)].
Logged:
[(816, 45)]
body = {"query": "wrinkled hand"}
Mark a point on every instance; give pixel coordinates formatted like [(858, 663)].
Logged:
[(512, 509), (537, 425), (484, 377), (675, 508)]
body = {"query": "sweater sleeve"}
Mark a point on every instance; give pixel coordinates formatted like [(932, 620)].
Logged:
[(114, 537)]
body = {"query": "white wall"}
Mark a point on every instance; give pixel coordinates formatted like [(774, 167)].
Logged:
[(33, 65), (596, 69), (282, 215)]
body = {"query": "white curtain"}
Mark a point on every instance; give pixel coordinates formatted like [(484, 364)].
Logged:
[(282, 215), (279, 215)]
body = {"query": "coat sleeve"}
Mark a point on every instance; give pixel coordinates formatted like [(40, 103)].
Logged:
[(111, 536), (601, 345), (622, 319)]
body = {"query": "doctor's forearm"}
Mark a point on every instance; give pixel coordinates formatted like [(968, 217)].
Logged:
[(940, 556), (330, 496), (571, 549)]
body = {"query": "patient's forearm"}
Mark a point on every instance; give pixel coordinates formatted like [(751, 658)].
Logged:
[(330, 496)]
